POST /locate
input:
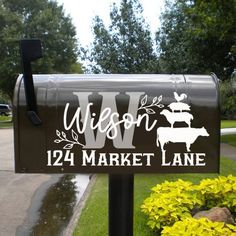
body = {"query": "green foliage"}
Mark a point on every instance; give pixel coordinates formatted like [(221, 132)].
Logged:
[(219, 192), (170, 202), (95, 209), (228, 124), (3, 98), (213, 24), (174, 44), (199, 227), (198, 37), (126, 45), (228, 100), (41, 19)]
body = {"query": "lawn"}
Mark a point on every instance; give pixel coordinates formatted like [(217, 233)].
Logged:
[(5, 121), (228, 124), (229, 139), (94, 218)]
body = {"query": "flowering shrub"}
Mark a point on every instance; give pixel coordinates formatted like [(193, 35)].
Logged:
[(196, 227)]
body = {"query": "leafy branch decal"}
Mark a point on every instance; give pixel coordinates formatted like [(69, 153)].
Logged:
[(70, 143), (155, 102)]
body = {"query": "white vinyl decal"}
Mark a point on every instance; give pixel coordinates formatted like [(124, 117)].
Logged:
[(143, 112), (185, 135)]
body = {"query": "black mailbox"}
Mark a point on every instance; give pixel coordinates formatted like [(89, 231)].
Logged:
[(118, 124)]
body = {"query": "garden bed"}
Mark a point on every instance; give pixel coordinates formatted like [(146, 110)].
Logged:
[(94, 218)]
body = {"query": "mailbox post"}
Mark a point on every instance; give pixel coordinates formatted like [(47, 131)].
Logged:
[(115, 124), (121, 195)]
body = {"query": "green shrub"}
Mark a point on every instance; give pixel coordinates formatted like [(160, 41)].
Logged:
[(219, 192), (170, 202), (199, 227), (228, 100), (4, 98)]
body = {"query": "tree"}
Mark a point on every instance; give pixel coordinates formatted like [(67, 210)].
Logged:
[(41, 19), (198, 37), (174, 43), (126, 45), (228, 100), (214, 24)]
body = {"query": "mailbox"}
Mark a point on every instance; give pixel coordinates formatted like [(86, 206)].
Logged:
[(118, 124)]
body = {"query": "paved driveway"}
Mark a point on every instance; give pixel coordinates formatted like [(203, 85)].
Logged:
[(6, 150), (16, 190), (21, 195)]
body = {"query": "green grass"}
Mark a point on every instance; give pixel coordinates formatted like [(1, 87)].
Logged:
[(228, 124), (5, 118), (94, 218), (229, 139), (5, 121)]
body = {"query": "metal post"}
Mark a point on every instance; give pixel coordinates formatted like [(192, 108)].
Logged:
[(121, 194)]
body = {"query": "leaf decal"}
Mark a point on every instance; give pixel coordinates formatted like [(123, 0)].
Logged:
[(159, 98), (57, 141), (148, 107), (154, 100), (58, 133), (63, 134), (74, 135), (160, 105), (70, 143), (144, 100), (150, 111), (68, 146)]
